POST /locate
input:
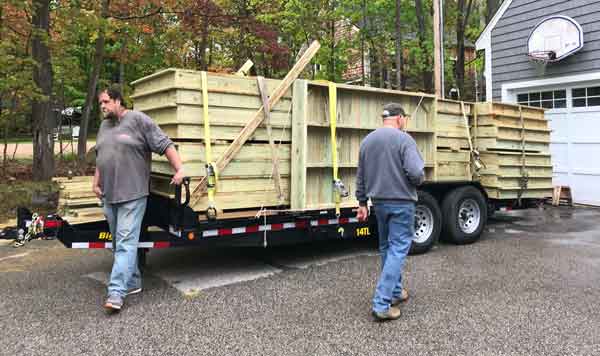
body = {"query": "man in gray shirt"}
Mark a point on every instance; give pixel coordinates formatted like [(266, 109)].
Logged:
[(390, 168), (124, 146)]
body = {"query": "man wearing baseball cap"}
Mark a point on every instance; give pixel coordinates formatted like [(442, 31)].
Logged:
[(390, 168)]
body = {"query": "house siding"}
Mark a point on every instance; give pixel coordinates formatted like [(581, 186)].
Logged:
[(509, 41)]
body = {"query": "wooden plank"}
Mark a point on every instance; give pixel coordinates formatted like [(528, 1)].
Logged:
[(299, 145), (196, 132), (452, 107), (231, 193), (499, 144), (514, 134), (251, 152), (514, 193), (267, 112), (512, 122), (172, 98), (514, 158), (509, 110), (173, 79), (493, 181), (453, 171), (225, 116), (253, 124), (239, 169), (245, 68)]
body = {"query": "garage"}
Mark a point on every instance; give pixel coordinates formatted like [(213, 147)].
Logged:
[(573, 113), (545, 53)]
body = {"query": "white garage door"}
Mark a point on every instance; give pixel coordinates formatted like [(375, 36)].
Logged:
[(574, 117)]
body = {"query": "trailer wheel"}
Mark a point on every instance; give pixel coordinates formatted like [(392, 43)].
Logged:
[(428, 224), (465, 215)]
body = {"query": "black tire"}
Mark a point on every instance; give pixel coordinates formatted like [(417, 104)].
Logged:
[(428, 224), (465, 215)]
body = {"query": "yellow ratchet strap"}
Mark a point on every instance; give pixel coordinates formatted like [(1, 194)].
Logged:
[(211, 171), (337, 184)]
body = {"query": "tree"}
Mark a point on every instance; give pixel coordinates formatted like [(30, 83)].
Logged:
[(491, 8), (43, 143), (426, 73), (398, 43), (463, 12), (92, 86)]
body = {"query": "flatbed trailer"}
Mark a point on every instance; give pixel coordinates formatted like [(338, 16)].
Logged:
[(456, 212)]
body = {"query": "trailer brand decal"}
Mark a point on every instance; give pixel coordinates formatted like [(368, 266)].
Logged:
[(105, 236), (363, 231)]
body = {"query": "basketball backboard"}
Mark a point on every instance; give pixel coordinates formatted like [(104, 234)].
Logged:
[(555, 38)]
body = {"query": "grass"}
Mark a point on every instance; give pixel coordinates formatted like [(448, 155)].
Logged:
[(40, 197)]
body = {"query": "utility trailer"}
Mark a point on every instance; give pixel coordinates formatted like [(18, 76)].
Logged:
[(285, 180)]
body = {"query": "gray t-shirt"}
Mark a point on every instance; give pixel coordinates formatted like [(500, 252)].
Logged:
[(390, 167), (123, 155)]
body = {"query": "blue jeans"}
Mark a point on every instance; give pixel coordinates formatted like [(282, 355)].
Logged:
[(396, 227), (125, 222)]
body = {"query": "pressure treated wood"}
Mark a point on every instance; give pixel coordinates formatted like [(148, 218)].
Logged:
[(251, 126), (76, 201), (511, 143)]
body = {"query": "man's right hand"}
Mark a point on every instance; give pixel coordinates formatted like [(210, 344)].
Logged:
[(362, 213), (98, 191)]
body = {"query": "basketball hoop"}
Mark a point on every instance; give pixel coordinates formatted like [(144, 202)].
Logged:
[(552, 40)]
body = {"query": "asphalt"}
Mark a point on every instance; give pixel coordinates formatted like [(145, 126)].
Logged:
[(528, 287)]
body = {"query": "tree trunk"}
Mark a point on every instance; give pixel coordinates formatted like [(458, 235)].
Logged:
[(91, 91), (491, 8), (462, 20), (332, 58), (399, 84), (204, 45), (426, 74), (43, 155)]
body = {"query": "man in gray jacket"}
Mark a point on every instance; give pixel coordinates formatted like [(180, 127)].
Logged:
[(390, 168)]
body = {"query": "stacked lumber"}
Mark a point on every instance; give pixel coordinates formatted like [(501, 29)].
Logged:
[(77, 203), (514, 142), (173, 99), (452, 144)]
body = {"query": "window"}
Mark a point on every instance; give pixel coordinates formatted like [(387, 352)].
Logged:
[(584, 97), (552, 99)]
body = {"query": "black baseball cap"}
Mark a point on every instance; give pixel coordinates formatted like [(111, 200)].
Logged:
[(392, 109)]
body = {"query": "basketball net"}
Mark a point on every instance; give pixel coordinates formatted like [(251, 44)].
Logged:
[(541, 60)]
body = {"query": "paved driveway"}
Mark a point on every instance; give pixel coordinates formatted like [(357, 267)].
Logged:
[(529, 287)]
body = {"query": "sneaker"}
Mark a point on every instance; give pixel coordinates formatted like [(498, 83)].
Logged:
[(403, 298), (133, 291), (392, 313), (113, 302)]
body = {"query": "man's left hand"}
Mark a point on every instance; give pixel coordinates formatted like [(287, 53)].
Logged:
[(178, 177), (362, 213)]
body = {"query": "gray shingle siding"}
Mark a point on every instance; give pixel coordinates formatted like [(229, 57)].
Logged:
[(509, 41)]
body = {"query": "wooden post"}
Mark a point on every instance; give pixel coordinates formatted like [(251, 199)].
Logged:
[(437, 49), (251, 126), (299, 145), (245, 69)]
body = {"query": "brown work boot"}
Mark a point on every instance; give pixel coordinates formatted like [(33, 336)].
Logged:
[(392, 313), (403, 298)]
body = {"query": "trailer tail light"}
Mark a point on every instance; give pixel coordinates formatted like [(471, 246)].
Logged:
[(52, 224)]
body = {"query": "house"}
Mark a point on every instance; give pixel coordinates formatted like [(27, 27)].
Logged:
[(566, 82)]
